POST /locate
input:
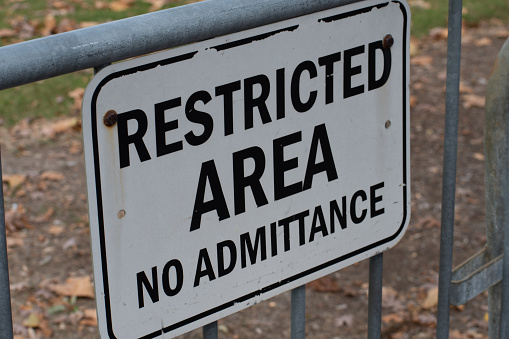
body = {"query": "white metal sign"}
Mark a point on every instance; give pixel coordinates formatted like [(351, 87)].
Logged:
[(228, 171)]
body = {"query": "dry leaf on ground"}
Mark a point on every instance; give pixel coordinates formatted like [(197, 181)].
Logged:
[(89, 317), (421, 60), (75, 286), (14, 180), (56, 229), (431, 299), (324, 284), (121, 5), (7, 33), (472, 100), (52, 176)]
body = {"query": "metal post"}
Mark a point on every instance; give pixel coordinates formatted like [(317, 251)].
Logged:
[(122, 39), (298, 316), (210, 331), (496, 149), (376, 268), (5, 294), (449, 178)]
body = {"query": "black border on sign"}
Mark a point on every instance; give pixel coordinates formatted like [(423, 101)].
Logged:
[(253, 294)]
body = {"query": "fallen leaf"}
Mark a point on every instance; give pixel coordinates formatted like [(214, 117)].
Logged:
[(16, 219), (66, 25), (101, 5), (75, 286), (60, 126), (56, 230), (428, 320), (14, 180), (483, 42), (14, 241), (392, 318), (472, 100), (85, 24), (46, 216), (156, 4), (421, 4), (32, 321), (427, 223), (421, 60), (89, 317), (62, 5), (439, 33), (413, 101), (50, 23), (431, 299), (77, 96), (52, 176), (121, 5), (465, 89), (7, 33), (324, 284), (478, 156)]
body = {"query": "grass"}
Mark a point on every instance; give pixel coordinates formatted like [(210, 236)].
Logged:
[(50, 98), (474, 12)]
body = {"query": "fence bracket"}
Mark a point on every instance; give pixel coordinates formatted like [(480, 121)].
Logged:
[(475, 276)]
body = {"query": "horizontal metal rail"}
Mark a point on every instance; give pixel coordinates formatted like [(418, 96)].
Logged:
[(89, 47)]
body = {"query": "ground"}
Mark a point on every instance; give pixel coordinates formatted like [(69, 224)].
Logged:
[(50, 262)]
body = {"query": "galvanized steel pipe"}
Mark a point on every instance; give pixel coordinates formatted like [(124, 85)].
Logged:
[(5, 295), (496, 149), (449, 176), (68, 52)]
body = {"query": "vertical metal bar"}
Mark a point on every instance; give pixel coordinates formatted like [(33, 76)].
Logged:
[(449, 178), (496, 149), (210, 331), (376, 267), (5, 294), (298, 315)]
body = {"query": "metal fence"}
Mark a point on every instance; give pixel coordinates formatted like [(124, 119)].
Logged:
[(77, 50)]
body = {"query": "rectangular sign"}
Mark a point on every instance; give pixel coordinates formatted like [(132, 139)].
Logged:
[(227, 171)]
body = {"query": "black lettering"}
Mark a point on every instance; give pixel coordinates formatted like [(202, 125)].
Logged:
[(373, 198), (209, 174), (281, 166), (335, 211), (124, 139), (318, 224), (250, 102), (227, 92), (295, 87), (273, 239), (328, 61), (221, 270), (241, 181), (349, 72), (162, 127), (372, 82), (353, 207), (247, 246), (280, 93), (302, 230), (166, 277), (199, 117), (203, 258), (152, 289), (327, 165)]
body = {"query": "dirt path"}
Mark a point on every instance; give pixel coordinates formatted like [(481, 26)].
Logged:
[(49, 246)]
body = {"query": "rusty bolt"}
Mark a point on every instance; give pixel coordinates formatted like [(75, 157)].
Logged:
[(110, 118), (388, 41)]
